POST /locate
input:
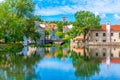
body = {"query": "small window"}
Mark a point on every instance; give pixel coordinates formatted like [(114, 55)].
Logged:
[(104, 40), (111, 55), (79, 54), (104, 34), (104, 48), (96, 34), (96, 54), (114, 40), (111, 34), (103, 54)]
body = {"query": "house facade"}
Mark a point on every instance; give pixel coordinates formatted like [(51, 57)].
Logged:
[(108, 33), (40, 29)]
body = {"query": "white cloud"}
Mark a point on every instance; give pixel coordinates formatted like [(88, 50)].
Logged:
[(53, 11), (55, 64), (1, 0), (102, 15), (99, 6), (116, 16), (96, 13)]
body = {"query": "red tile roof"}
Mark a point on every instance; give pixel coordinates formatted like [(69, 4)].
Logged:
[(113, 28), (78, 38), (114, 60), (79, 48)]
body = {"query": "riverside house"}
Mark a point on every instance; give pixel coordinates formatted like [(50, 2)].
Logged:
[(107, 35)]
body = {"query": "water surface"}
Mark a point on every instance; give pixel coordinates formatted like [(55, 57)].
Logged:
[(61, 63)]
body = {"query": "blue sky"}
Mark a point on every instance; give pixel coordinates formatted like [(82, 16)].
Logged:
[(108, 10), (52, 10)]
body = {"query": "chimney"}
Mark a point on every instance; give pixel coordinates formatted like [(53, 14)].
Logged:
[(108, 26), (108, 32)]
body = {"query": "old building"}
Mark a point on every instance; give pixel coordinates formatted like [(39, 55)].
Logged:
[(107, 34), (41, 31)]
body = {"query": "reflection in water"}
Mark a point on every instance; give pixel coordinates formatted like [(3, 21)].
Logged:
[(58, 63), (17, 66), (93, 59), (85, 66), (107, 54)]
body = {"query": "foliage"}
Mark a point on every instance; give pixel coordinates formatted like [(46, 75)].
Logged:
[(84, 22), (60, 26), (84, 66), (59, 33), (66, 38), (10, 48), (17, 19), (14, 65), (47, 32)]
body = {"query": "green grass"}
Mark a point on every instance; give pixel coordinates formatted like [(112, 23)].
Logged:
[(10, 47)]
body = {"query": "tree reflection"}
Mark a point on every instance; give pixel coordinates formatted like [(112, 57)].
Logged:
[(18, 67), (84, 65)]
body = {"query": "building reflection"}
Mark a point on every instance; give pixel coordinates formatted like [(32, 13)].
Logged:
[(107, 54)]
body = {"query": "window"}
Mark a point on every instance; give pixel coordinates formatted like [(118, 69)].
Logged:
[(104, 40), (104, 34), (114, 40), (104, 48), (79, 54), (96, 34), (111, 55), (111, 34), (96, 54), (96, 40), (114, 48), (103, 54)]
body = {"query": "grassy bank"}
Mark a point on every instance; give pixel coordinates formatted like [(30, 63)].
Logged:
[(10, 47)]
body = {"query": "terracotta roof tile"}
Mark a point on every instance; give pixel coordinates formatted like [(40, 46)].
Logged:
[(113, 28), (114, 60), (79, 48), (78, 38)]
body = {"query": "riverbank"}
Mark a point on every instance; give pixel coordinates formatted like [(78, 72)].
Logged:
[(11, 47)]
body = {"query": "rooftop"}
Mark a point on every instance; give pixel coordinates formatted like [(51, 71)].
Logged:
[(112, 28)]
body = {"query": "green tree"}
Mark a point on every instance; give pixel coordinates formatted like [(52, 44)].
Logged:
[(59, 33), (60, 26), (85, 21), (17, 19), (47, 33)]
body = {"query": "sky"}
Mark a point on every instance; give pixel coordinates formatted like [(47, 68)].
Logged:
[(54, 10)]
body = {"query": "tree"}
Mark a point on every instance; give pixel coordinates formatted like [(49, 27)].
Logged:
[(59, 33), (85, 21), (17, 19), (60, 26)]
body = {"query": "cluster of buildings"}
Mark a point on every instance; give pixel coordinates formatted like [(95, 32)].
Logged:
[(52, 27), (107, 35)]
